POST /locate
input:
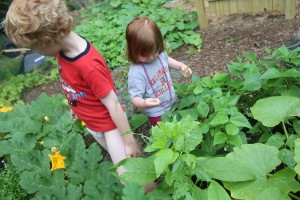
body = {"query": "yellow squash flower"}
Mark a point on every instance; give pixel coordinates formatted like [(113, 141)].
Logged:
[(5, 109), (82, 123), (57, 161)]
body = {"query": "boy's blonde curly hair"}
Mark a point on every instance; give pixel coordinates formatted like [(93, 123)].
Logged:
[(37, 22)]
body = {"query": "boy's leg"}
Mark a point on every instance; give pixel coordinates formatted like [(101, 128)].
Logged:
[(116, 150), (115, 147)]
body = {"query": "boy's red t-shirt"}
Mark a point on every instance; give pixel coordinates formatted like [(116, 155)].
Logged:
[(85, 79)]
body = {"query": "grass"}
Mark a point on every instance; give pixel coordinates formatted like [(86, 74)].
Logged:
[(9, 189)]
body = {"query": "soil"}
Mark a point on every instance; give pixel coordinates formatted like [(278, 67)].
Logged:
[(225, 38)]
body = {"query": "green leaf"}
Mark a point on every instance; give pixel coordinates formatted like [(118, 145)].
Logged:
[(32, 182), (275, 188), (163, 158), (273, 110), (220, 138), (271, 74), (235, 140), (203, 109), (115, 3), (193, 113), (252, 82), (137, 120), (207, 82), (219, 119), (231, 129), (85, 164), (276, 140), (160, 140), (167, 129), (297, 155), (71, 192), (186, 102), (223, 169), (261, 159), (138, 170), (239, 120), (291, 73), (18, 144), (103, 185), (198, 89), (133, 191), (180, 25), (247, 162), (19, 120), (216, 192), (296, 126), (159, 195), (193, 139), (287, 157)]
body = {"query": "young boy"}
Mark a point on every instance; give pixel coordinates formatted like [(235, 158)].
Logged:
[(45, 27)]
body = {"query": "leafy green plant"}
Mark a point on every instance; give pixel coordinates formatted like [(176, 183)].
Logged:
[(205, 146), (4, 4), (13, 86), (106, 22), (31, 131), (11, 190)]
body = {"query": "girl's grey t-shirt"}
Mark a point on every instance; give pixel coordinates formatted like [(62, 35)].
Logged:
[(139, 85)]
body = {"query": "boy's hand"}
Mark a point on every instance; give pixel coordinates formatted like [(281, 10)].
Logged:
[(131, 149), (186, 71), (151, 102)]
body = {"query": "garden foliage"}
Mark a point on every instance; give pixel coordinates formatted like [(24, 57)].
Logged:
[(230, 135), (106, 25)]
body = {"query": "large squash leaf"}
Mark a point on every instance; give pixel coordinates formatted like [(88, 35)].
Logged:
[(247, 162), (273, 110), (275, 188)]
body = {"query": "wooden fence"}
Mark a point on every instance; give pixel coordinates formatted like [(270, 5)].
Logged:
[(227, 7)]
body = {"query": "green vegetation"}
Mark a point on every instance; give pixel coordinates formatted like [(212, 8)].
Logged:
[(9, 189), (227, 134), (13, 86), (4, 4), (110, 19), (231, 135), (105, 25)]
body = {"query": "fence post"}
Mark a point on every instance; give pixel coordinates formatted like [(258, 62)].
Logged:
[(202, 17), (290, 9)]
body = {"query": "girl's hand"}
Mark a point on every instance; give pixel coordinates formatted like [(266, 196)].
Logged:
[(151, 102), (186, 71), (131, 149)]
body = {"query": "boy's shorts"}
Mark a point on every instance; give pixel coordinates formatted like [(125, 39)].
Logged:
[(96, 134)]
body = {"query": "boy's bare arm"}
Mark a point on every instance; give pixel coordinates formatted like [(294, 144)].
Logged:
[(118, 116)]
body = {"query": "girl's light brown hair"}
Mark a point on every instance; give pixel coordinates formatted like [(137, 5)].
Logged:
[(37, 22), (143, 38)]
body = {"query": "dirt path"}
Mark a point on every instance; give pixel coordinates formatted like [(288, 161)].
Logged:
[(229, 36)]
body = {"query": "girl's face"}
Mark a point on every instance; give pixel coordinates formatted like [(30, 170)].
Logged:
[(148, 58)]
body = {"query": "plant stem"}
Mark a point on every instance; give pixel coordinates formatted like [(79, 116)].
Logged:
[(285, 131), (294, 196)]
